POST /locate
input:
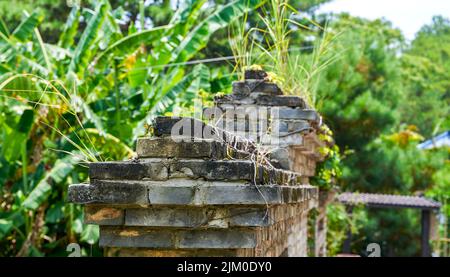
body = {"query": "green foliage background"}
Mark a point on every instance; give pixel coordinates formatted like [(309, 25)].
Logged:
[(381, 98), (79, 84)]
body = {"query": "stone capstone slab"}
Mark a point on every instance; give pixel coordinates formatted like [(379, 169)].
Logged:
[(251, 113), (187, 192), (251, 86), (261, 99), (135, 237), (163, 125), (296, 114), (164, 169), (227, 238), (281, 127), (166, 147), (109, 192), (130, 170), (142, 237), (255, 74)]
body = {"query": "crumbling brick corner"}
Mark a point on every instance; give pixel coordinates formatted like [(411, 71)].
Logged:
[(194, 195)]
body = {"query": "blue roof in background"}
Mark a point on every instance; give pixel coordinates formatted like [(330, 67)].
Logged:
[(436, 142)]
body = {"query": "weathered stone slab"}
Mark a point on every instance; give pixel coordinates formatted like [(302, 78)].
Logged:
[(135, 237), (163, 169), (109, 192), (274, 114), (238, 99), (227, 238), (163, 125), (249, 217), (166, 147), (295, 113), (261, 99), (80, 193), (276, 100), (282, 139), (289, 126), (213, 170), (253, 112), (281, 127), (142, 237), (283, 132), (210, 133), (252, 86), (129, 170), (255, 74), (173, 194), (208, 193), (187, 192), (244, 195), (192, 216), (167, 216)]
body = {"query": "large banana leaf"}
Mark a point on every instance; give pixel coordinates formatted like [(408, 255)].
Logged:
[(138, 72), (3, 29), (70, 28), (41, 53), (43, 189), (90, 234), (11, 57), (185, 19), (26, 27), (15, 137), (202, 81), (84, 49), (57, 53), (5, 226), (29, 65), (199, 36), (182, 21), (131, 42), (110, 32)]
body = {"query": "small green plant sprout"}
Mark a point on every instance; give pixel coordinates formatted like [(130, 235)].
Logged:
[(220, 94), (329, 170), (275, 78)]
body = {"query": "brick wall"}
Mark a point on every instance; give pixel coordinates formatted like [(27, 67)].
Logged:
[(196, 190)]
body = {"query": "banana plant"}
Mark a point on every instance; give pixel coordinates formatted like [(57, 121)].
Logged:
[(86, 98)]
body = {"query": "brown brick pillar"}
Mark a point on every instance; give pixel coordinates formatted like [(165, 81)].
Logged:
[(188, 194)]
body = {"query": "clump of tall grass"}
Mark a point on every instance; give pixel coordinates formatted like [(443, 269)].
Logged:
[(303, 72), (269, 47), (241, 45)]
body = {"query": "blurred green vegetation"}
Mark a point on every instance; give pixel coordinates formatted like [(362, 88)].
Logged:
[(381, 98), (81, 83)]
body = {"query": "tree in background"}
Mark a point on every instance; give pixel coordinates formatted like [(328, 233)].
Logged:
[(426, 75), (360, 92), (380, 97)]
